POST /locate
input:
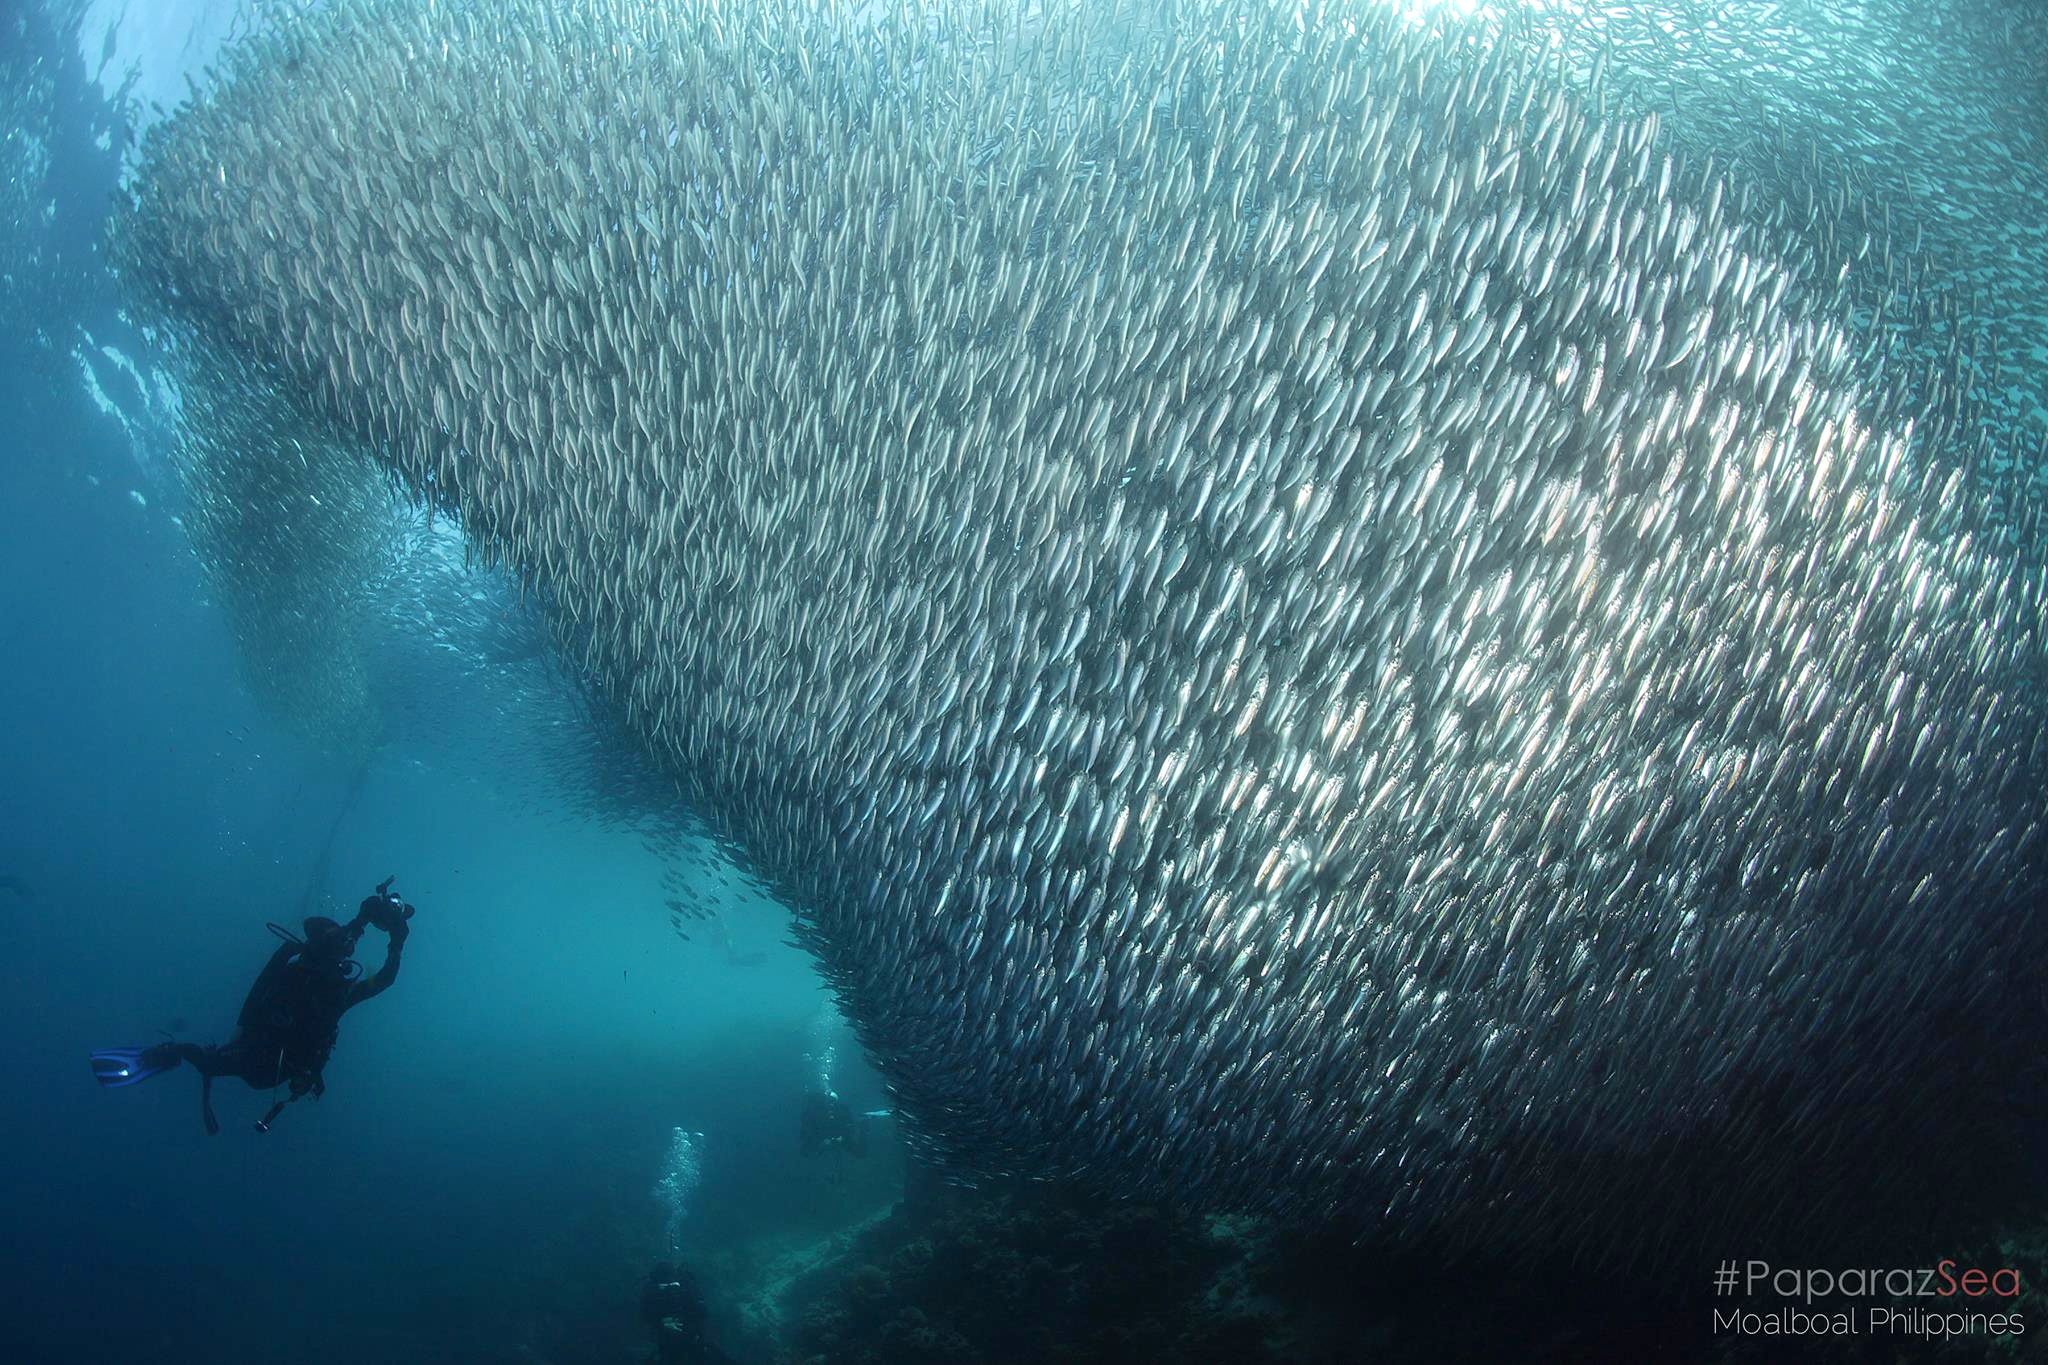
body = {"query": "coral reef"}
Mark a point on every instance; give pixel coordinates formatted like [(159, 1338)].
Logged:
[(1021, 1272), (1048, 1272)]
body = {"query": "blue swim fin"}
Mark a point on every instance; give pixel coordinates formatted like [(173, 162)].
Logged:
[(126, 1065)]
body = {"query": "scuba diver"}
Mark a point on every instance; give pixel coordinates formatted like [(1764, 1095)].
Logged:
[(829, 1126), (672, 1303), (827, 1123), (288, 1024)]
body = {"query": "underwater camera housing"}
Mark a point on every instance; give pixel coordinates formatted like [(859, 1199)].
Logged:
[(383, 908)]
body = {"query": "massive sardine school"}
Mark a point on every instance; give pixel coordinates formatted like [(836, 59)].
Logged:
[(1307, 624)]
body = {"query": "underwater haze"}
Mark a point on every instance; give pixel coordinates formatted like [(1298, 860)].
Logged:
[(481, 1181), (1113, 681)]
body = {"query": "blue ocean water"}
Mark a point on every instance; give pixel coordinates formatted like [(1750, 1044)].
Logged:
[(482, 1172), (495, 1167), (480, 1181), (481, 1175)]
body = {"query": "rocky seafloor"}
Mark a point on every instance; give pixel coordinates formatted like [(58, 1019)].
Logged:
[(954, 1275)]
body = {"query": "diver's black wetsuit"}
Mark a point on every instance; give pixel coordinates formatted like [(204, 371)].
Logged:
[(827, 1123), (288, 1023)]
